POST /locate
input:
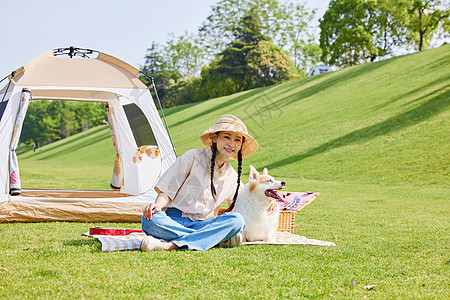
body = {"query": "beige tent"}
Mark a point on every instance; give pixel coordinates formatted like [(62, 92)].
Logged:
[(136, 128)]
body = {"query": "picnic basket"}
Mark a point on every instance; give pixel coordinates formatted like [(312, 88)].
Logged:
[(293, 203)]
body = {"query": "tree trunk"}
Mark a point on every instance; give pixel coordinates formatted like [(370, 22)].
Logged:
[(242, 81), (422, 34)]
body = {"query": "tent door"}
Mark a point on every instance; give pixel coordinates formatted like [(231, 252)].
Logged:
[(117, 177), (14, 178)]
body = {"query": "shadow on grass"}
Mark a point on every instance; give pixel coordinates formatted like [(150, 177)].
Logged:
[(84, 242), (333, 80), (411, 93), (63, 143), (223, 104), (433, 106), (180, 108)]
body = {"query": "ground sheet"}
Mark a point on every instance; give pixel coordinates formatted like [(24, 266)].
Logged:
[(133, 241)]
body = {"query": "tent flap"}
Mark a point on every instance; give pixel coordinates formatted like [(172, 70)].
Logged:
[(14, 177)]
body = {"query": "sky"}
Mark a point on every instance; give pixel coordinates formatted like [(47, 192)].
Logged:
[(121, 28)]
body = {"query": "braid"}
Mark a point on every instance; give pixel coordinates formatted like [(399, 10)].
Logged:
[(213, 161), (238, 181)]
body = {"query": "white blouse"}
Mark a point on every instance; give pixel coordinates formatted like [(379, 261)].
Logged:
[(188, 184)]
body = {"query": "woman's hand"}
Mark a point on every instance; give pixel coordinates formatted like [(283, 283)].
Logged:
[(272, 207), (150, 209), (161, 201)]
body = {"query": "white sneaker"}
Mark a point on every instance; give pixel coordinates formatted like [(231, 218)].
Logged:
[(234, 241), (149, 243)]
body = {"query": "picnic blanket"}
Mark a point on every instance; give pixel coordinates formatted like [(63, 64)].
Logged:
[(294, 201), (133, 241)]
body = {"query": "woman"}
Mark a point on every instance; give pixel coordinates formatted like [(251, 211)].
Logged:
[(185, 213)]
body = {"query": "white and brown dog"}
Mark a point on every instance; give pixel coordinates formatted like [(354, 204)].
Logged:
[(252, 203)]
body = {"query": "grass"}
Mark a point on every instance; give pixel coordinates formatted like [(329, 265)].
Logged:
[(372, 139), (401, 248)]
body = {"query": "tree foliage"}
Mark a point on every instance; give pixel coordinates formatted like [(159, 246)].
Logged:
[(353, 31), (222, 49), (288, 24), (234, 61), (268, 64), (346, 36), (426, 17), (249, 61)]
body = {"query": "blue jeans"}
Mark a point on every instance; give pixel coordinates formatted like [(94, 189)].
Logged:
[(193, 235)]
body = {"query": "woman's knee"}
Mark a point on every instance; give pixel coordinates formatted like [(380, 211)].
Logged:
[(150, 225), (236, 219)]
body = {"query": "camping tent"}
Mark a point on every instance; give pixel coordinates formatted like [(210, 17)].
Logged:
[(143, 147), (319, 69)]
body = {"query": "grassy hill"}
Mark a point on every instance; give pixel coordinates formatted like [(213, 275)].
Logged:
[(385, 122)]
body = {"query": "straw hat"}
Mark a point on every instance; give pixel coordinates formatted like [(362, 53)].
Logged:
[(231, 123)]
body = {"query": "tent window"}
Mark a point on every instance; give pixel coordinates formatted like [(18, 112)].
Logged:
[(142, 132), (3, 101), (3, 107)]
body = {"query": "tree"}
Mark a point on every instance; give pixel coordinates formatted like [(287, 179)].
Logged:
[(31, 128), (250, 61), (353, 31), (181, 57), (157, 66), (425, 19), (346, 36), (215, 83), (226, 39), (287, 24), (268, 64), (88, 114), (296, 36), (185, 55), (234, 61)]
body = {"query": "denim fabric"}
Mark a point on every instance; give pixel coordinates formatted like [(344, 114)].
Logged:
[(193, 235)]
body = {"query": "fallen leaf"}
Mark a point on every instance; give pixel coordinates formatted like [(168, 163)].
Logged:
[(353, 284), (3, 269), (369, 287), (176, 287)]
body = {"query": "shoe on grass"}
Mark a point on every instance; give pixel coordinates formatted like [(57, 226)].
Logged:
[(234, 241), (149, 243)]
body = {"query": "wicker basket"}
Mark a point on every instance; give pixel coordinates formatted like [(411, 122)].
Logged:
[(286, 221)]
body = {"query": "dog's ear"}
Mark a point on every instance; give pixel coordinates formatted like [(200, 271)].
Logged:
[(254, 175), (265, 172)]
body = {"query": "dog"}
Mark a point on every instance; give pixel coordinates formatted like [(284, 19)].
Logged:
[(252, 203)]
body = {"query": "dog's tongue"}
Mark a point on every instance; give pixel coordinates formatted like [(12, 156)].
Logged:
[(273, 194)]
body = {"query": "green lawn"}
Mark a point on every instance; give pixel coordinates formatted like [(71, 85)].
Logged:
[(394, 237), (372, 139)]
